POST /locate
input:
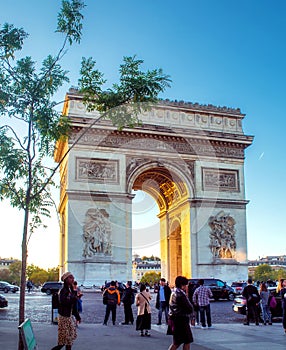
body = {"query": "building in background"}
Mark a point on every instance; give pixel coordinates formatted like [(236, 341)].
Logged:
[(276, 262), (140, 267), (5, 263)]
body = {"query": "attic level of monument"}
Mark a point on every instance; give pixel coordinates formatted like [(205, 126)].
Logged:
[(181, 115), (179, 105), (188, 157)]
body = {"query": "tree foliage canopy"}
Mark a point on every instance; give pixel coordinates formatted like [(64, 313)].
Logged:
[(30, 122), (151, 277), (265, 272)]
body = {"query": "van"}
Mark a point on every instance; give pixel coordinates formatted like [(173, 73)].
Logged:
[(51, 287), (219, 289)]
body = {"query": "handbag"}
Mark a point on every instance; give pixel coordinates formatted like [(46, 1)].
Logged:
[(145, 309), (272, 302), (171, 326)]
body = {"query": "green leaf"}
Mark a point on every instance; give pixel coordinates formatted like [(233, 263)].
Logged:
[(70, 20)]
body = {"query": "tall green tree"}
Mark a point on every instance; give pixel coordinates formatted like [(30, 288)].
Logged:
[(151, 277), (264, 272), (27, 97)]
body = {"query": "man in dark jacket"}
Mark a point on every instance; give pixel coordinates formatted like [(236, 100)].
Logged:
[(111, 298), (162, 300), (127, 300), (250, 293)]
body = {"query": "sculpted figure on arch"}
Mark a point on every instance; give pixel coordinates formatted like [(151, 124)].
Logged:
[(96, 233)]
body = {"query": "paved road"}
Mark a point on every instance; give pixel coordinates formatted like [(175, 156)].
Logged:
[(228, 333), (38, 309)]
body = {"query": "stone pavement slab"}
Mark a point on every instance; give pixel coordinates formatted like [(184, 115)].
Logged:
[(91, 336)]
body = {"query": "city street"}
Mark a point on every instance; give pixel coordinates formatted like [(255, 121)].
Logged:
[(228, 332), (39, 309)]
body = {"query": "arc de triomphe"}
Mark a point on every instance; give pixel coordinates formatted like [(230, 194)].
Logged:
[(188, 157)]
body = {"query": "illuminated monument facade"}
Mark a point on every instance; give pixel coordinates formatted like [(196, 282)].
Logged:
[(188, 157)]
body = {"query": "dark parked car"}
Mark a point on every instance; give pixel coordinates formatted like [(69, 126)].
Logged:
[(238, 286), (3, 301), (220, 289), (51, 287), (239, 305), (7, 287)]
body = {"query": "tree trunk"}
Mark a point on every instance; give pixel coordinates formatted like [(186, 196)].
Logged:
[(23, 275)]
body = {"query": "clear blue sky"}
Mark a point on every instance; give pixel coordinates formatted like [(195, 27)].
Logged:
[(226, 53)]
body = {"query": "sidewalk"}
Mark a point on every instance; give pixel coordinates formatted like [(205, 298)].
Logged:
[(90, 336)]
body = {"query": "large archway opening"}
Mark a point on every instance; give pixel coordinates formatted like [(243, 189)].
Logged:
[(170, 203), (145, 225)]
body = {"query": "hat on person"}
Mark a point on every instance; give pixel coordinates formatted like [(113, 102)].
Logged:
[(66, 275)]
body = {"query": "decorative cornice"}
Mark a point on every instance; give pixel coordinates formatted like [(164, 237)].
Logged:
[(103, 196), (218, 203)]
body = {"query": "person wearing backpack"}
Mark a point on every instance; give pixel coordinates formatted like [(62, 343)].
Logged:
[(111, 298), (250, 293), (127, 300)]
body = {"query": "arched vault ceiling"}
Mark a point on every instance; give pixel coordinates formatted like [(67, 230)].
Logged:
[(164, 186)]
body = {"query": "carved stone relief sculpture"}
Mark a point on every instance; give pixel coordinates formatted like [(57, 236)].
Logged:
[(96, 233), (222, 236), (220, 179), (97, 170)]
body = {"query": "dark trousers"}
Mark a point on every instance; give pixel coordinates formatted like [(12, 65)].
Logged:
[(128, 313), (163, 308), (205, 311), (252, 313), (112, 309)]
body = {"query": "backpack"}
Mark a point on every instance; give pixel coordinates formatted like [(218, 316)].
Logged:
[(111, 297), (253, 298)]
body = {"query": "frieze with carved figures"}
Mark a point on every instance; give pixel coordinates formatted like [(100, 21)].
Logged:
[(162, 144), (220, 179), (97, 170)]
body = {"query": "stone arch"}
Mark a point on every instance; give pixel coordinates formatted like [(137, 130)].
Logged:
[(172, 190), (188, 157), (175, 249), (161, 180)]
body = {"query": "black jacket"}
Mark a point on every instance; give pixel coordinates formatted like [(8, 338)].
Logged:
[(67, 301), (180, 306), (167, 293), (250, 293), (128, 296)]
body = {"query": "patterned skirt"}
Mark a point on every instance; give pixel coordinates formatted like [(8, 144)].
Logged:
[(66, 330)]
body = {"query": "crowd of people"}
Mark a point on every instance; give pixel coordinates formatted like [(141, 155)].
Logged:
[(182, 306)]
